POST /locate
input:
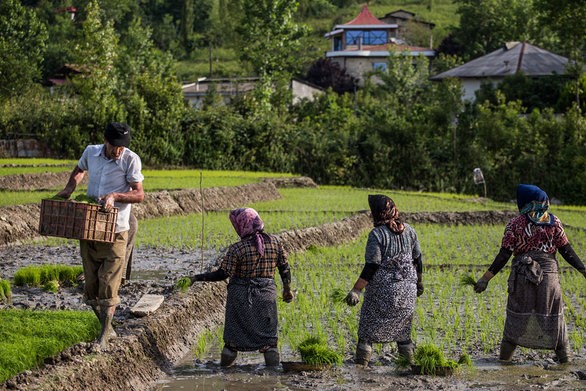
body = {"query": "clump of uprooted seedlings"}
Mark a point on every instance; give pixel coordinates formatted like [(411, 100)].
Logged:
[(467, 280), (50, 277), (5, 291), (315, 351), (430, 360), (338, 295), (183, 284)]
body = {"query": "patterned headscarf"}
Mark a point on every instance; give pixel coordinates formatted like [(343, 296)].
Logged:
[(384, 212), (246, 222), (534, 203)]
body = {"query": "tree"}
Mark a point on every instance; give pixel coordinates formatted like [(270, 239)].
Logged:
[(328, 74), (485, 25), (151, 95), (22, 44), (95, 56), (271, 43), (567, 20)]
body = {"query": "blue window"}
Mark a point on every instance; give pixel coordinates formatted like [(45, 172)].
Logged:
[(379, 66), (369, 37)]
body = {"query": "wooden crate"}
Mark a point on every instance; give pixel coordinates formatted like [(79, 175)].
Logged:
[(77, 220)]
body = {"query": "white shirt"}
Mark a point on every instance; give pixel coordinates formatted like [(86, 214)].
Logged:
[(111, 175)]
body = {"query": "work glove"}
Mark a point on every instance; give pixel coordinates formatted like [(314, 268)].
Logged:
[(419, 288), (287, 295), (481, 285), (353, 297)]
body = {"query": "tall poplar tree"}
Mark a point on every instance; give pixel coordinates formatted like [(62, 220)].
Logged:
[(271, 43)]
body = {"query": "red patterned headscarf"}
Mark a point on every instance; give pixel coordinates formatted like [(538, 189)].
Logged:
[(384, 212), (246, 222)]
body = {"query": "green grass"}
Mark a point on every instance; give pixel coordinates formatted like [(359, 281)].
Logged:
[(46, 274), (155, 180), (28, 337), (32, 162), (35, 169), (194, 179)]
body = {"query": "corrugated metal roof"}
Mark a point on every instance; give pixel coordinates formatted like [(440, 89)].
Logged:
[(513, 57)]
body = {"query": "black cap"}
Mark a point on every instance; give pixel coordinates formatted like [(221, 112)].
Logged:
[(118, 134)]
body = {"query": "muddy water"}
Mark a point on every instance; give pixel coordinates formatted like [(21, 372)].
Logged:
[(488, 373)]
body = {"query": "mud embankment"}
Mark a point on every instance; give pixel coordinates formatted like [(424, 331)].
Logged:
[(21, 222), (35, 182)]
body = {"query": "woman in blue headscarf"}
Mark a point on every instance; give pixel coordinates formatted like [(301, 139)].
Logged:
[(535, 317)]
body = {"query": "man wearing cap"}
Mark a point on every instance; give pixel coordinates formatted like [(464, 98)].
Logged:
[(115, 179)]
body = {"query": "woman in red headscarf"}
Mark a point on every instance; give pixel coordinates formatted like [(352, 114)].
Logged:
[(392, 278), (251, 306), (535, 310)]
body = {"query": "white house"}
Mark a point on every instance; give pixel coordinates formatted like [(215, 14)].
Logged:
[(512, 58)]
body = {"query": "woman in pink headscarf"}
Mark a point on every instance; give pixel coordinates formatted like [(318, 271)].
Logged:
[(251, 306)]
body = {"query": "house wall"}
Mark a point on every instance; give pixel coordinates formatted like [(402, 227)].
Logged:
[(303, 91), (358, 66), (470, 86)]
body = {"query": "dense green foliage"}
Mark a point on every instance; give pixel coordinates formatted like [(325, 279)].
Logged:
[(398, 131), (27, 338)]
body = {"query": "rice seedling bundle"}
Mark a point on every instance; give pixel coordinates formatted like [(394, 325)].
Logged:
[(183, 284), (467, 280), (315, 351), (5, 291), (40, 275), (430, 360)]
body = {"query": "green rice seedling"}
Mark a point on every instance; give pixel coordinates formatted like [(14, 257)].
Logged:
[(40, 275), (465, 360), (315, 351), (431, 361), (5, 291), (182, 284), (85, 199), (467, 280), (28, 337), (51, 286), (338, 295)]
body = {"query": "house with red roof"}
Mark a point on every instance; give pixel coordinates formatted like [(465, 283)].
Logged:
[(365, 43)]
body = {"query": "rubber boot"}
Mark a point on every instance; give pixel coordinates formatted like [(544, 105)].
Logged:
[(107, 332), (507, 349), (563, 353), (227, 357), (363, 353), (272, 357), (406, 350)]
